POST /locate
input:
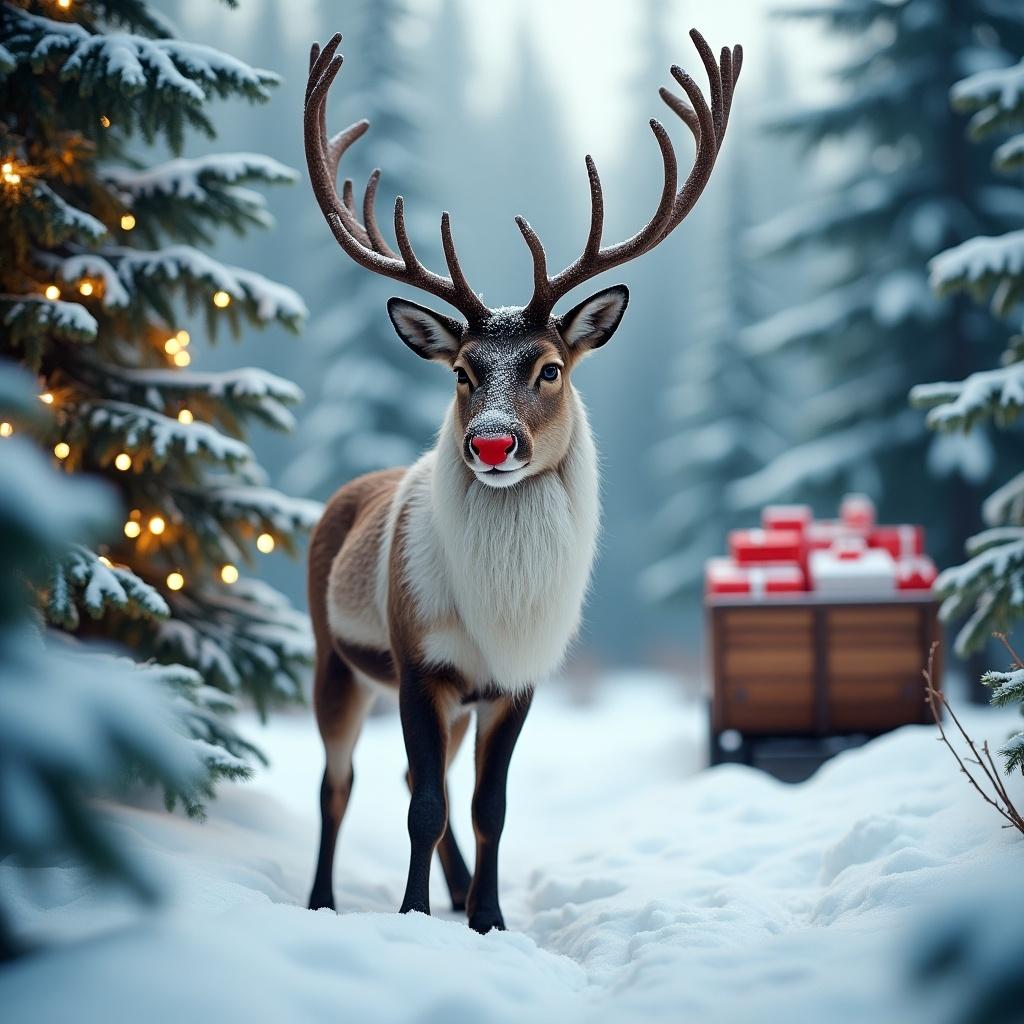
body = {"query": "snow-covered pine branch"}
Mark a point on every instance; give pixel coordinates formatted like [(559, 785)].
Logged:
[(54, 221), (1005, 506), (981, 266), (81, 581), (158, 84), (247, 639), (1009, 157), (152, 436), (230, 394), (996, 96), (31, 323), (959, 405), (991, 582), (131, 275), (184, 196)]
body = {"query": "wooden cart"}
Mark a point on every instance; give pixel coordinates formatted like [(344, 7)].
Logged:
[(808, 666)]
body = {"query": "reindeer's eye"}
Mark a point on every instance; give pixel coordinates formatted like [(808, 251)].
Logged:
[(550, 372), (462, 376)]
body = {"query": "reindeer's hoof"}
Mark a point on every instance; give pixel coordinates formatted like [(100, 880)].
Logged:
[(458, 904), (318, 901), (484, 921), (415, 907)]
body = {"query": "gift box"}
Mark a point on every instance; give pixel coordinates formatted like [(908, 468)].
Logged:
[(823, 533), (900, 541), (848, 571), (787, 517), (915, 573), (724, 576), (757, 547), (857, 511)]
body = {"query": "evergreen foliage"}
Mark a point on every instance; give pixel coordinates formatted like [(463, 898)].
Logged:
[(99, 272), (989, 587), (75, 723), (904, 188)]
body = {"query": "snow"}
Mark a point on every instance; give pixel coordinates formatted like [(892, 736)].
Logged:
[(187, 178), (635, 889), (960, 404), (1010, 155), (1001, 87), (977, 260)]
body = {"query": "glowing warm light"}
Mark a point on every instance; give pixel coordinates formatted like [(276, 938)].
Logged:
[(182, 358), (12, 178), (62, 449), (185, 416), (6, 429), (123, 462), (157, 525), (229, 574), (127, 222), (171, 346), (175, 581), (221, 300), (132, 529), (265, 543), (7, 167), (64, 4), (86, 288), (46, 398), (104, 120), (52, 292), (103, 560), (183, 338)]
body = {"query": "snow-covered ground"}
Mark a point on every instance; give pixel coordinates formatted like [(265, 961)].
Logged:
[(635, 888)]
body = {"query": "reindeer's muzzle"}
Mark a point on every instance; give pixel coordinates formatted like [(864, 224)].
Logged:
[(493, 450)]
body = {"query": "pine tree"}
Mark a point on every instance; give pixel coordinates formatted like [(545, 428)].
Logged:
[(990, 584), (104, 259), (74, 723), (906, 189), (723, 406), (376, 406)]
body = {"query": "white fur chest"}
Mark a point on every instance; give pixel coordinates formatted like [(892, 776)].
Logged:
[(499, 576)]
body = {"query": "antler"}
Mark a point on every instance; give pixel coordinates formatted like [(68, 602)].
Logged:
[(364, 242), (708, 127)]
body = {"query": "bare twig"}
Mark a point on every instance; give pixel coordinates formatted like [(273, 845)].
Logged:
[(938, 703), (1005, 640)]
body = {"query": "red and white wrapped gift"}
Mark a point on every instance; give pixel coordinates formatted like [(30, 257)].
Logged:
[(724, 576), (760, 547), (917, 572), (823, 533), (787, 517), (857, 511), (851, 571), (900, 541)]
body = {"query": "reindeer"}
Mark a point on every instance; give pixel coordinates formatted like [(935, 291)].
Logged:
[(459, 581)]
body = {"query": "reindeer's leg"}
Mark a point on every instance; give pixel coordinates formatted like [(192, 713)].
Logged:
[(456, 874), (499, 723), (341, 705), (426, 701)]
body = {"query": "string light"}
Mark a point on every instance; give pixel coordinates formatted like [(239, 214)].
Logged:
[(7, 167), (221, 300), (104, 120), (172, 346), (132, 529), (183, 338), (185, 416), (46, 398), (86, 288), (265, 543), (127, 222), (157, 525), (123, 462), (6, 429), (62, 450), (229, 574), (175, 581), (182, 358), (64, 4), (13, 178)]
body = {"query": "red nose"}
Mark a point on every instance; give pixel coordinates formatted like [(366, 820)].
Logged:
[(493, 450)]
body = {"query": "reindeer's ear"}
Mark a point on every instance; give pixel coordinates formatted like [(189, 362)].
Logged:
[(430, 335), (590, 324)]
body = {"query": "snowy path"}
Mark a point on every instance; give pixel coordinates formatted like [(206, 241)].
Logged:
[(634, 888)]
